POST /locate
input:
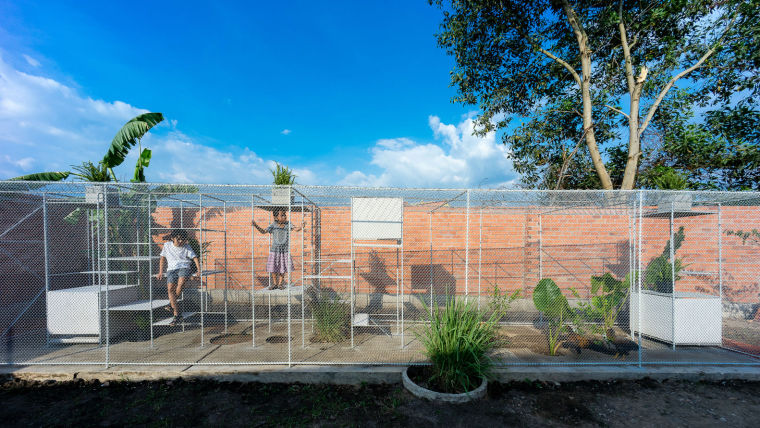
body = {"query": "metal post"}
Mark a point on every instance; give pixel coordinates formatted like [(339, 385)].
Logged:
[(467, 249), (105, 240), (401, 243), (351, 268), (47, 260), (672, 279), (224, 207), (253, 278), (480, 250), (430, 226), (150, 269), (303, 282), (290, 339), (720, 252), (540, 249), (638, 271), (201, 222)]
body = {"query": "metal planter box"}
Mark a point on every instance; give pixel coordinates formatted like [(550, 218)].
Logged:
[(686, 318), (282, 195)]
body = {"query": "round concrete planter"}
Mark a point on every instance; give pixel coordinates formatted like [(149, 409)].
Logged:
[(443, 397)]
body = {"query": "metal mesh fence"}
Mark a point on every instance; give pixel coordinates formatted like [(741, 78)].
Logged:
[(142, 274)]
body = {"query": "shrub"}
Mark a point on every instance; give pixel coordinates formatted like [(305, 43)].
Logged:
[(332, 318), (457, 341)]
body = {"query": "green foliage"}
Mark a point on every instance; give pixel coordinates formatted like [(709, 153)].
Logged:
[(503, 65), (499, 303), (721, 152), (548, 298), (609, 296), (658, 275), (753, 236), (457, 340), (92, 173), (668, 179), (128, 136), (142, 161), (43, 176), (332, 318), (282, 175)]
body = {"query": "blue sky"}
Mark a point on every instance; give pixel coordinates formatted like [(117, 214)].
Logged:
[(345, 92)]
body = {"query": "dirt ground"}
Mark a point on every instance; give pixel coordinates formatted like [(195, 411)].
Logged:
[(191, 402)]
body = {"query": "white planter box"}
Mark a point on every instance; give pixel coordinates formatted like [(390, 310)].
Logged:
[(678, 202), (77, 311), (282, 195), (692, 319), (96, 195)]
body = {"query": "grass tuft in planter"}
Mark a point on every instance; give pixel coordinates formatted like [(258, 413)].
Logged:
[(457, 341)]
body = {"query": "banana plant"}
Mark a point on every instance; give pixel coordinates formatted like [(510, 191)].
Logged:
[(549, 299), (128, 136)]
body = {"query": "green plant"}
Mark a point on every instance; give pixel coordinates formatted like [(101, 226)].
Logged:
[(498, 302), (658, 275), (332, 318), (88, 171), (753, 236), (609, 296), (282, 175), (142, 322), (667, 178), (457, 340), (549, 299), (128, 136)]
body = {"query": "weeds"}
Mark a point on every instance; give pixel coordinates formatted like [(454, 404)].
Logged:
[(331, 318)]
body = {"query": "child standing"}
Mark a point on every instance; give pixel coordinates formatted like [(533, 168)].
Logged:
[(279, 261), (176, 255)]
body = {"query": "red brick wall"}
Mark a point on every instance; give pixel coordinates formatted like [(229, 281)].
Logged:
[(573, 247)]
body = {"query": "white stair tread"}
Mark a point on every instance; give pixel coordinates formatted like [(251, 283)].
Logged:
[(93, 288), (141, 305), (168, 321), (293, 290)]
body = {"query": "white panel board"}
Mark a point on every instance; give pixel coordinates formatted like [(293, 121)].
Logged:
[(376, 218)]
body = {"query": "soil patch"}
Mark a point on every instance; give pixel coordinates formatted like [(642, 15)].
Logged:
[(278, 339), (231, 339), (191, 402)]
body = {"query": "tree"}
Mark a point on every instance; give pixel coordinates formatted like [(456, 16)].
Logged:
[(555, 75), (128, 136)]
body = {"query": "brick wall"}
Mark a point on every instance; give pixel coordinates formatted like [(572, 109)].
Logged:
[(508, 248)]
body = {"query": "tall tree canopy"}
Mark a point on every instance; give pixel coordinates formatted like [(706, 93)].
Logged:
[(579, 86)]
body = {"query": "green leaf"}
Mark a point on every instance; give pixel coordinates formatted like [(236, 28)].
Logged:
[(142, 161), (43, 176), (549, 299), (128, 136)]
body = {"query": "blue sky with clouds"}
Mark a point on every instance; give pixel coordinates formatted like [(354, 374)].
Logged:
[(344, 92)]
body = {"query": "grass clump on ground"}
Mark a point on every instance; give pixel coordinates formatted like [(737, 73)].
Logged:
[(457, 341), (331, 318)]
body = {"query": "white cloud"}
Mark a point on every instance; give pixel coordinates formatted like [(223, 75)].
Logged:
[(48, 126), (285, 131), (33, 62), (462, 160)]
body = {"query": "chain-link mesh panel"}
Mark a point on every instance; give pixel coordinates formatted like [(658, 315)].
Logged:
[(203, 274)]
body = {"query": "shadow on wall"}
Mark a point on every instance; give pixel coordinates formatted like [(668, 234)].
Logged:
[(435, 277), (379, 282)]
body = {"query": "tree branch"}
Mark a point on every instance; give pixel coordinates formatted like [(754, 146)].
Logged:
[(619, 111), (626, 49), (661, 96)]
